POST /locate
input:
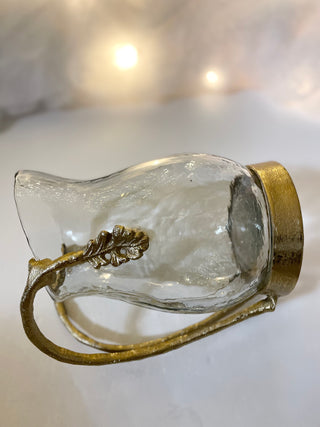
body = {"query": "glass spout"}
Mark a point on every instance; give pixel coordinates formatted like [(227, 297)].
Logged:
[(206, 219)]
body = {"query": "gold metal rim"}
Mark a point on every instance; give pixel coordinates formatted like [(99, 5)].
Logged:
[(286, 225)]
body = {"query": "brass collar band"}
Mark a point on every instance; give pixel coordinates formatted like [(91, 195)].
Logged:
[(286, 227)]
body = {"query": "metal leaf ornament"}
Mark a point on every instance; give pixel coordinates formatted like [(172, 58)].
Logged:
[(120, 246)]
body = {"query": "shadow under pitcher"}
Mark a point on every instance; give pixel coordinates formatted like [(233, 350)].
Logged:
[(191, 233)]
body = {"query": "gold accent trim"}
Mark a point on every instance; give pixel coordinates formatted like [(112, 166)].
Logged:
[(208, 326), (47, 272), (120, 246), (43, 273), (285, 223)]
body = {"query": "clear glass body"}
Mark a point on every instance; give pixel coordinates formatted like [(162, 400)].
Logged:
[(206, 219)]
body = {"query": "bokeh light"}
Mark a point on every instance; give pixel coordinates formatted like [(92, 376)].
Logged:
[(212, 77), (125, 56)]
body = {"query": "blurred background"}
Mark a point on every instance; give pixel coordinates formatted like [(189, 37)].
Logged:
[(69, 53), (89, 87)]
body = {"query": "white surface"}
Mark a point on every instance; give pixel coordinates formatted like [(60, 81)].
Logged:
[(265, 371)]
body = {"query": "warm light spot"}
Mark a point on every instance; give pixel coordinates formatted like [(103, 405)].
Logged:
[(126, 57), (107, 69), (212, 77)]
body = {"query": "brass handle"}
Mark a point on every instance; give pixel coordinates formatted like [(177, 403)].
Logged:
[(43, 273)]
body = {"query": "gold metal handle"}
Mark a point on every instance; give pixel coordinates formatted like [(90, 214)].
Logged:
[(43, 273)]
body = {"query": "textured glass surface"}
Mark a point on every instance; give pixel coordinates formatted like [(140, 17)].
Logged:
[(206, 219)]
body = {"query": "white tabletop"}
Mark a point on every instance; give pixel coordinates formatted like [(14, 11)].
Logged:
[(265, 371)]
